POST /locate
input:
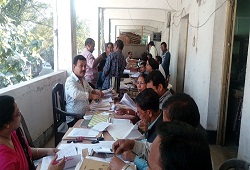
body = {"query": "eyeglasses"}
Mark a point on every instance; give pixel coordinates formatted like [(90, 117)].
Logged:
[(18, 114)]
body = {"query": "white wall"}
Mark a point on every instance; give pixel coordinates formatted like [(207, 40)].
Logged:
[(204, 56), (35, 101)]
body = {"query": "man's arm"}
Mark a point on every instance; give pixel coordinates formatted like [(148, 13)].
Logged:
[(97, 61), (73, 92)]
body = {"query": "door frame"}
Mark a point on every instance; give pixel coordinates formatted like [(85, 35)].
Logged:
[(228, 48)]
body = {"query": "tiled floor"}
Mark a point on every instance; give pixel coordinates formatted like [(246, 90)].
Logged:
[(219, 153)]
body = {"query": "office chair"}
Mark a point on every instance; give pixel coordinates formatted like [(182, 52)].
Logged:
[(236, 164), (59, 113), (26, 132)]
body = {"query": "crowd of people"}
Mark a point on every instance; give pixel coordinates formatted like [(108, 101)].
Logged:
[(170, 122)]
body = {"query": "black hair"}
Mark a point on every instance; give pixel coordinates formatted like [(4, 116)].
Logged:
[(164, 44), (148, 100), (150, 55), (144, 56), (78, 57), (182, 147), (129, 52), (89, 41), (109, 43), (182, 107), (143, 75), (157, 78), (119, 44), (7, 109), (151, 43), (143, 63), (159, 59), (153, 63)]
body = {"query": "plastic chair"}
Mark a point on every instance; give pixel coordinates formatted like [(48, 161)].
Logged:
[(59, 113), (236, 164)]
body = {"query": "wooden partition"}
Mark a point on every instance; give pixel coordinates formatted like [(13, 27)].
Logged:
[(136, 50)]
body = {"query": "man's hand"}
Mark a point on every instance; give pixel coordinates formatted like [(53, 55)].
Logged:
[(122, 145), (143, 125), (116, 163), (128, 156)]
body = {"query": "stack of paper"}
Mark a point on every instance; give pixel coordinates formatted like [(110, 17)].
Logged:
[(82, 132), (97, 118), (101, 105), (126, 100), (124, 131)]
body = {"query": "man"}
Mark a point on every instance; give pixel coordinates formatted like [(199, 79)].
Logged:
[(152, 49), (180, 107), (114, 67), (77, 91), (159, 84), (178, 146), (91, 75), (165, 58), (159, 61), (109, 49), (129, 56), (147, 105)]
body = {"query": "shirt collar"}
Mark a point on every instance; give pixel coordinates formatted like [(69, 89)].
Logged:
[(164, 95), (152, 124), (75, 77)]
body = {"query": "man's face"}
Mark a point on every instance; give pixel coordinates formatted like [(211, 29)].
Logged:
[(163, 48), (115, 47), (109, 48), (154, 155), (80, 68), (91, 47), (150, 85), (143, 114), (142, 68)]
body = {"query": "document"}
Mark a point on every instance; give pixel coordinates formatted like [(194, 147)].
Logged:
[(82, 132), (101, 126), (124, 131), (126, 100)]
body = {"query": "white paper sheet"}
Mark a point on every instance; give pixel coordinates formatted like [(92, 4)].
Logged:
[(101, 126), (81, 132), (126, 100)]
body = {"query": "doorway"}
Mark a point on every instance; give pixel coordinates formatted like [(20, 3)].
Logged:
[(181, 63), (237, 73)]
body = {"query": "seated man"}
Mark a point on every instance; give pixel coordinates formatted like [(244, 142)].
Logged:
[(181, 107), (156, 81), (77, 91), (147, 105), (178, 146)]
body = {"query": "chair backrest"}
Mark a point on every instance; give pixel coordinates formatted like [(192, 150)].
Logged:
[(58, 105), (236, 164), (26, 131)]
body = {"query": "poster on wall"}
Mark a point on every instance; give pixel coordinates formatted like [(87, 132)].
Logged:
[(157, 36)]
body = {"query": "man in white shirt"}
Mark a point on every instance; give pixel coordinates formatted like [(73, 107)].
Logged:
[(77, 91), (152, 49)]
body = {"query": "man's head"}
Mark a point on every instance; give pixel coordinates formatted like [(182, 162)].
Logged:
[(90, 44), (150, 44), (156, 81), (118, 45), (147, 103), (79, 65), (179, 146), (109, 47), (130, 54), (181, 107), (163, 47), (158, 59), (142, 67)]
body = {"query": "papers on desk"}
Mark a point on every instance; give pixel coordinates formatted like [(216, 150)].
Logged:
[(70, 152), (101, 126), (82, 132), (104, 147), (126, 100), (124, 131), (135, 75), (126, 71), (101, 105)]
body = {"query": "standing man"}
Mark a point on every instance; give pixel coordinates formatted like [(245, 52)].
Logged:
[(165, 58), (114, 67), (77, 91), (91, 75), (152, 49)]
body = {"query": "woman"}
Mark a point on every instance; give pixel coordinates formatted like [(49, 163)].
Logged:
[(151, 65), (128, 113), (15, 152)]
